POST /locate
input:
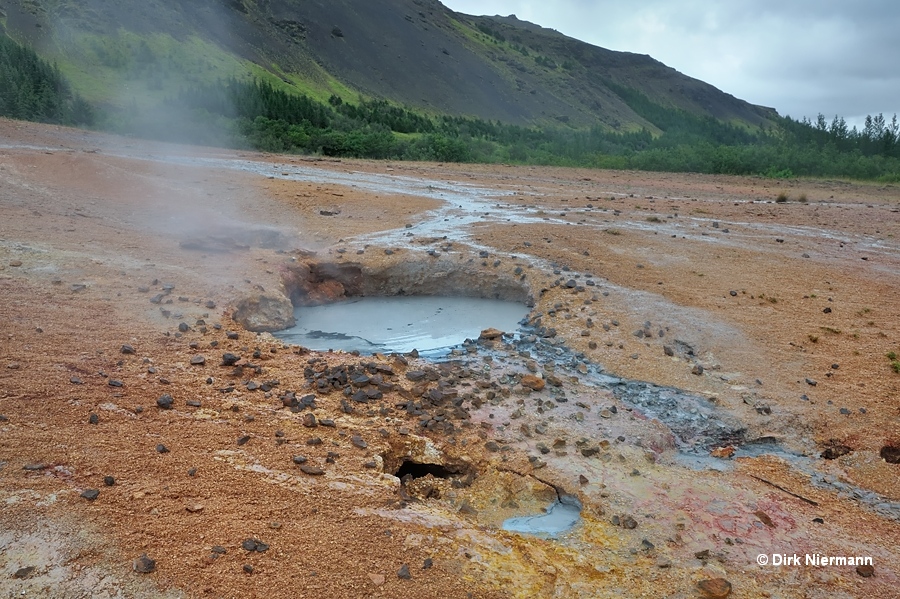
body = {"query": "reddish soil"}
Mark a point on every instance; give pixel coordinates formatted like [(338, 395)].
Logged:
[(790, 308)]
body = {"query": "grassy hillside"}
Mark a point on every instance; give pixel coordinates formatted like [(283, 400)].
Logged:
[(131, 54)]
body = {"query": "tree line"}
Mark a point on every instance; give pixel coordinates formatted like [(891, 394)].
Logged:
[(33, 89), (255, 114)]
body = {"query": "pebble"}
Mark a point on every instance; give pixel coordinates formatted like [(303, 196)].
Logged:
[(300, 459), (115, 383), (714, 588), (15, 263), (109, 481), (311, 470), (697, 369), (248, 569), (865, 571), (25, 572), (93, 419), (127, 349), (198, 360), (403, 572), (358, 441), (164, 402), (162, 448), (243, 440), (76, 381), (144, 565), (254, 545), (90, 494)]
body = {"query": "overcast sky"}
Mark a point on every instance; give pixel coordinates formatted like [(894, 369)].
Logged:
[(801, 57)]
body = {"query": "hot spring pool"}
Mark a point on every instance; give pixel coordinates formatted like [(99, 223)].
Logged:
[(400, 324)]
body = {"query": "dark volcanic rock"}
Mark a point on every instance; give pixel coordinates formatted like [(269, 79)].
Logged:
[(144, 565), (90, 494), (164, 402)]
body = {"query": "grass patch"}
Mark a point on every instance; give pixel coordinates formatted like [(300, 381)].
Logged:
[(892, 355), (612, 231), (782, 198), (831, 330), (895, 366), (654, 219)]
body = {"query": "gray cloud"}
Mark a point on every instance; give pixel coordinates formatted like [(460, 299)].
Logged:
[(800, 57)]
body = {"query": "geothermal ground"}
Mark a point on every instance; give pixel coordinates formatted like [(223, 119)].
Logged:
[(704, 369)]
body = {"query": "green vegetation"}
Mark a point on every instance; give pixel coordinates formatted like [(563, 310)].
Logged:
[(33, 89), (188, 90)]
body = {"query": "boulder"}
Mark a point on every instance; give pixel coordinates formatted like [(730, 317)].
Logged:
[(264, 312)]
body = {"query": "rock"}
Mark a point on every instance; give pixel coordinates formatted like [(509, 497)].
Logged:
[(162, 448), (722, 452), (109, 481), (260, 312), (403, 572), (300, 459), (15, 263), (243, 440), (490, 334), (865, 571), (309, 420), (230, 359), (811, 382), (144, 565), (697, 369), (194, 508), (358, 441), (198, 360), (311, 470), (428, 563), (90, 494), (533, 382), (164, 402), (732, 293), (93, 419), (377, 579), (582, 479), (23, 573), (835, 451), (629, 523), (714, 588), (76, 381), (127, 349), (254, 545), (115, 383), (247, 568)]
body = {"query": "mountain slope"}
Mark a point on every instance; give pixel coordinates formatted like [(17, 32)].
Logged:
[(413, 52)]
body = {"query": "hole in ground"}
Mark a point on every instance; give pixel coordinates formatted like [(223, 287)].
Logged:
[(417, 470), (890, 454)]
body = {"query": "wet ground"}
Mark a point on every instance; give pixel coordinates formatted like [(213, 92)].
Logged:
[(704, 370)]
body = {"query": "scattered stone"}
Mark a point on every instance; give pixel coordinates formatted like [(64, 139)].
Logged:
[(428, 563), (230, 359), (866, 571), (243, 440), (403, 572), (835, 450), (127, 349), (198, 360), (76, 381), (300, 459), (714, 588), (164, 402), (309, 420), (109, 481), (582, 479), (358, 441), (491, 334), (629, 523), (15, 263), (115, 383), (732, 293), (722, 452), (25, 572), (162, 448), (93, 419), (194, 508), (144, 565), (697, 369), (826, 311), (764, 518), (532, 382), (247, 568), (311, 470), (377, 579), (90, 494), (811, 382)]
